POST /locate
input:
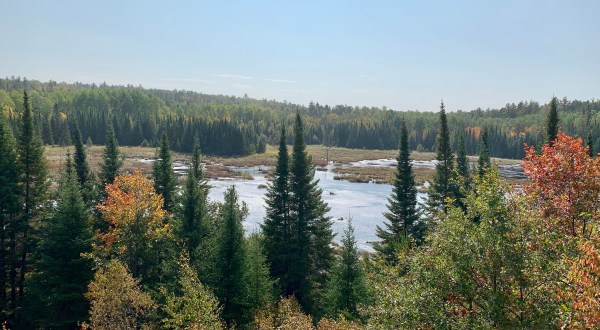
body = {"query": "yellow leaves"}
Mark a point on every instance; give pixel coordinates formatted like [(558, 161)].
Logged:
[(131, 201)]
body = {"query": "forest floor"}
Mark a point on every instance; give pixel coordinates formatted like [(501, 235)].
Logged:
[(140, 158)]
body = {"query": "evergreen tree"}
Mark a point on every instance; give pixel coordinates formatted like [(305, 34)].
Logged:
[(404, 226), (112, 162), (164, 178), (485, 161), (552, 121), (230, 256), (346, 289), (34, 184), (590, 145), (441, 188), (85, 176), (258, 286), (312, 255), (9, 203), (462, 161), (61, 274), (277, 227), (194, 206)]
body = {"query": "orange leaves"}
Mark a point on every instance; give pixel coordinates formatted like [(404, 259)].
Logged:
[(565, 182), (131, 201), (584, 278)]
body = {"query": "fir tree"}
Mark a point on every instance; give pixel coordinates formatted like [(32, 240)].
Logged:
[(230, 256), (164, 177), (9, 202), (441, 188), (552, 122), (485, 161), (404, 226), (194, 206), (462, 161), (346, 289), (34, 184), (56, 295), (312, 254), (112, 162), (258, 286), (85, 177), (590, 145), (276, 227)]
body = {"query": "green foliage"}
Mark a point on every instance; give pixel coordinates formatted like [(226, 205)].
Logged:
[(231, 253), (165, 181), (346, 288), (442, 186), (195, 207), (85, 177), (552, 121), (485, 162), (276, 227), (111, 159), (312, 255), (258, 286), (404, 225), (116, 300), (61, 274), (34, 184), (193, 306)]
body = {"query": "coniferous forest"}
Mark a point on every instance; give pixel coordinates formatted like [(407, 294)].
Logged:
[(234, 126), (122, 250)]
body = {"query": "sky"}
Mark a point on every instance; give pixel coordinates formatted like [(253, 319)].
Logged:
[(406, 55)]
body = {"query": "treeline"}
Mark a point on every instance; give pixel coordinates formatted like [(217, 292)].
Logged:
[(113, 250), (139, 116)]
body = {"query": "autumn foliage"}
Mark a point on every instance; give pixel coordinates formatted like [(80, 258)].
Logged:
[(565, 182), (131, 202)]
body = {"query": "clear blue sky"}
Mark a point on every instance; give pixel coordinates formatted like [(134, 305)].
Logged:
[(401, 54)]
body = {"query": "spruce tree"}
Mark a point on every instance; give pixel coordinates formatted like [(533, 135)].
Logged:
[(552, 121), (312, 255), (485, 161), (85, 177), (346, 289), (194, 206), (61, 274), (230, 259), (441, 187), (590, 145), (462, 161), (404, 227), (111, 159), (34, 184), (277, 226), (164, 178), (258, 286), (9, 203)]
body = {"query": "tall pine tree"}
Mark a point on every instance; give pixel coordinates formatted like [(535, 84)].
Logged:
[(61, 274), (441, 188), (485, 162), (85, 177), (312, 254), (230, 256), (404, 227), (346, 289), (9, 203), (111, 159), (194, 206), (552, 121), (277, 225), (164, 178), (34, 184)]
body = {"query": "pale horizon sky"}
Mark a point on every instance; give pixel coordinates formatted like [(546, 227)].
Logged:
[(406, 55)]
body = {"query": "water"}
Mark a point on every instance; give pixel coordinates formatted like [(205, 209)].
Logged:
[(364, 203)]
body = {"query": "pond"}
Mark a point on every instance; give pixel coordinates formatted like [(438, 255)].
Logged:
[(364, 203)]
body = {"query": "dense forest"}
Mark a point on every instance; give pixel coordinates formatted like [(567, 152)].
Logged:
[(229, 125), (114, 250)]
